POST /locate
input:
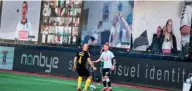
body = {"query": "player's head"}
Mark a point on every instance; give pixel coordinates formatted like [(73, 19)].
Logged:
[(85, 47), (24, 9), (106, 47)]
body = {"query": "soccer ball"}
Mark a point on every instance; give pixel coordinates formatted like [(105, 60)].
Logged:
[(92, 87)]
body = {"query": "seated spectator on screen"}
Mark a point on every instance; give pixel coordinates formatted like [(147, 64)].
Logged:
[(96, 34), (156, 46), (169, 41)]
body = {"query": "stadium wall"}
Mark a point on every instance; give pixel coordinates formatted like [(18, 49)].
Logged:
[(164, 72)]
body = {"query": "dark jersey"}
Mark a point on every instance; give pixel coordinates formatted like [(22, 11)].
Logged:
[(82, 58)]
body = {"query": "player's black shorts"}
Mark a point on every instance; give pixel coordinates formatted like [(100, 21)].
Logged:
[(92, 38), (106, 72), (82, 71)]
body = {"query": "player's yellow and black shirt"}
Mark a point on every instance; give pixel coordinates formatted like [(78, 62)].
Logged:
[(82, 62), (82, 58)]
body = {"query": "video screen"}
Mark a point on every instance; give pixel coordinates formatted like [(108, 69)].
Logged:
[(20, 20), (161, 30), (107, 22), (59, 21)]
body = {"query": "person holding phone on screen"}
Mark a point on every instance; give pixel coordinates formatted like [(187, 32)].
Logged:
[(96, 34), (23, 30)]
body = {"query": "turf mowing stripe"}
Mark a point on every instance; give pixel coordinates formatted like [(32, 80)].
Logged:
[(14, 89), (47, 80), (68, 83), (54, 77)]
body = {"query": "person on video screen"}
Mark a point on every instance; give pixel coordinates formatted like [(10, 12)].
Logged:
[(156, 45), (114, 38), (125, 30), (96, 33), (185, 29), (23, 30), (169, 40)]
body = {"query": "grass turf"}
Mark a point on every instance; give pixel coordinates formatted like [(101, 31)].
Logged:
[(20, 82)]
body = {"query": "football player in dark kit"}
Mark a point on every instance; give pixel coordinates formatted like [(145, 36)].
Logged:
[(80, 62)]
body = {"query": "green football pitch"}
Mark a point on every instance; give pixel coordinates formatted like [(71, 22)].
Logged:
[(21, 82)]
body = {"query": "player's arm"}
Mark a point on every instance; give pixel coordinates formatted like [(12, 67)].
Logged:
[(91, 63), (113, 61), (99, 60), (75, 62)]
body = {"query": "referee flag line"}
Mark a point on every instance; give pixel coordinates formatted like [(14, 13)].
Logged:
[(67, 83)]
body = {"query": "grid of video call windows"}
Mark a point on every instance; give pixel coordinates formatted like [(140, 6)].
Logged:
[(60, 21)]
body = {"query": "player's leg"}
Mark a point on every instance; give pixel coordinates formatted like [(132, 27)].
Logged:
[(87, 83), (79, 80), (89, 79), (104, 83), (107, 77), (104, 80), (108, 83)]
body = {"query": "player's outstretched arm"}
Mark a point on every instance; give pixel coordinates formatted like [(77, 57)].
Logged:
[(98, 60), (74, 63), (91, 64)]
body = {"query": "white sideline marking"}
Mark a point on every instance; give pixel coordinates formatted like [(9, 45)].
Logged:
[(49, 81)]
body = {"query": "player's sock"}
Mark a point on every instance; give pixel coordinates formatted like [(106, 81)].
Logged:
[(104, 83), (108, 82), (88, 81), (79, 81)]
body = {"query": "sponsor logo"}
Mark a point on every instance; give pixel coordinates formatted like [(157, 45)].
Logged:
[(40, 60), (23, 35), (152, 72)]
